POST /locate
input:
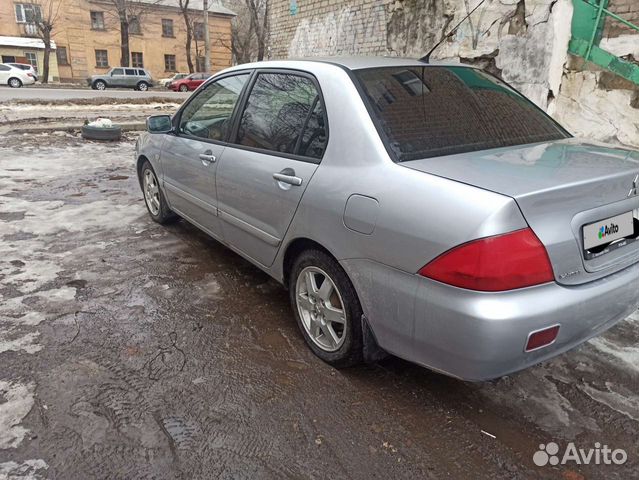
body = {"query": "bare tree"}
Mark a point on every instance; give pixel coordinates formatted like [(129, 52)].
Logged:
[(188, 24), (127, 14), (250, 30), (44, 22)]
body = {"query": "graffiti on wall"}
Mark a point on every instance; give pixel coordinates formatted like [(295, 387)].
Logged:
[(350, 30)]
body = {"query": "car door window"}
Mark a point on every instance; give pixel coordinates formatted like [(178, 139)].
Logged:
[(284, 114), (117, 71), (208, 115), (130, 71)]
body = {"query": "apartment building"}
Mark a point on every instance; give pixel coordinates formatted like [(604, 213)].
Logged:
[(87, 36)]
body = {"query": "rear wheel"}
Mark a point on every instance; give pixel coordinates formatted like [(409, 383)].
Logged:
[(326, 308), (184, 88), (99, 85), (15, 82), (143, 86), (153, 197)]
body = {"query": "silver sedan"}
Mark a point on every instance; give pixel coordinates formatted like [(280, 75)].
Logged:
[(425, 210)]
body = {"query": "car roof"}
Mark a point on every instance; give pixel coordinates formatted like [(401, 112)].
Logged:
[(349, 62)]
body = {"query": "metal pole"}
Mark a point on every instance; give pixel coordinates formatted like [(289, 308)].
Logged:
[(207, 37), (600, 9)]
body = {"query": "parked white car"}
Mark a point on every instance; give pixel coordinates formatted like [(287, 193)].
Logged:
[(15, 77), (26, 68)]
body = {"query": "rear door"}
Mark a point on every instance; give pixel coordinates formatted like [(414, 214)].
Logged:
[(281, 137), (190, 156), (130, 77)]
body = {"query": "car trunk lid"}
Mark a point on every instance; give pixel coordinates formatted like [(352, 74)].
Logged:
[(560, 187)]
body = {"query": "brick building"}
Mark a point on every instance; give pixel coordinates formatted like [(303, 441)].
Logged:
[(87, 37)]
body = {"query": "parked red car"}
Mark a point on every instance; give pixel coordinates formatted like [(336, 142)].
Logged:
[(189, 83)]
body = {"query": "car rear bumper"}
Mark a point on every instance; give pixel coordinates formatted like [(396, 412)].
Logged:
[(479, 336)]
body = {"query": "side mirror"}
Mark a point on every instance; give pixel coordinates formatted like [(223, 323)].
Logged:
[(159, 124)]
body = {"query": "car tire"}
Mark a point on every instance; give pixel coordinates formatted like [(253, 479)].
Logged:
[(154, 199), (15, 82), (184, 88), (110, 134), (340, 345), (143, 86), (99, 85)]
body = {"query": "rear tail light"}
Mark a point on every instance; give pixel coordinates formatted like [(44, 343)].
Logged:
[(31, 75), (492, 264), (542, 338)]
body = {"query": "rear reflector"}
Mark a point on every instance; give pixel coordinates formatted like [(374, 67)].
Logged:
[(493, 264), (542, 338)]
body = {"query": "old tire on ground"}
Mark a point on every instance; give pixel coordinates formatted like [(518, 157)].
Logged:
[(142, 86), (109, 134), (328, 314), (15, 82), (154, 199)]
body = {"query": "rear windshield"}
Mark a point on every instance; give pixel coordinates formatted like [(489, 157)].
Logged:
[(431, 111)]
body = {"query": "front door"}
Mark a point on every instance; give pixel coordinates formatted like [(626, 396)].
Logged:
[(4, 74), (190, 156), (261, 179), (117, 78)]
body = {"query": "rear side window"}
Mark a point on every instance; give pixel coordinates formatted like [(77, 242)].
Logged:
[(430, 111), (117, 71), (284, 114), (4, 68)]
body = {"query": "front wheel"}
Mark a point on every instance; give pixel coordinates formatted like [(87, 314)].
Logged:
[(184, 88), (326, 308), (153, 197), (15, 82)]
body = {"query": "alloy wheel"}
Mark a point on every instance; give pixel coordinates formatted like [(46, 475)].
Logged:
[(151, 192), (321, 309)]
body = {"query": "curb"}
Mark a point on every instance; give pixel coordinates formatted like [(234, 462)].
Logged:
[(126, 127)]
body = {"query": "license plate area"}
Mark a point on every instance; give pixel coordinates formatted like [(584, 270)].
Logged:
[(610, 234)]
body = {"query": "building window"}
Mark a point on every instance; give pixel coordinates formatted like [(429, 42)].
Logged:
[(32, 58), (169, 63), (97, 20), (137, 60), (61, 55), (101, 58), (28, 13), (135, 28), (198, 30), (167, 27)]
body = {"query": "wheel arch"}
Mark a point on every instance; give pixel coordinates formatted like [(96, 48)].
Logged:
[(138, 167), (294, 248)]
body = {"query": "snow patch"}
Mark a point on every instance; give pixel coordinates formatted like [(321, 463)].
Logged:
[(16, 401), (27, 470)]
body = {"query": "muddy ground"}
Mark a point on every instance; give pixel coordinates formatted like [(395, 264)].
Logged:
[(132, 350)]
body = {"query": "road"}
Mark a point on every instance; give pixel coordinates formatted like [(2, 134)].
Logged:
[(35, 93), (133, 350)]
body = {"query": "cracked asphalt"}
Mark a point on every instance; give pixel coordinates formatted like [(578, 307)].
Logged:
[(131, 350)]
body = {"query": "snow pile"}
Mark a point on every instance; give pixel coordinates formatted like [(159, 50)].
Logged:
[(101, 123)]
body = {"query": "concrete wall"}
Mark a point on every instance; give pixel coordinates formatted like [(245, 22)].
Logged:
[(523, 41)]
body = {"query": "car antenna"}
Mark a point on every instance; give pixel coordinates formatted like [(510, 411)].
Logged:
[(426, 58)]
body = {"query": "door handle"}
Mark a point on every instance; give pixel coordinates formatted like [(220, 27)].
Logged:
[(286, 177), (207, 158)]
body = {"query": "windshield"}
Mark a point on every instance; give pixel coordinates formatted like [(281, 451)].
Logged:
[(431, 111)]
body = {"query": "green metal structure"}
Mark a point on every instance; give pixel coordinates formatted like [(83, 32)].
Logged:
[(587, 28)]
